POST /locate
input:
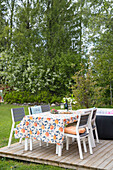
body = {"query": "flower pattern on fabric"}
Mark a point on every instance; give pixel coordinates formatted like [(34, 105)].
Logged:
[(46, 127)]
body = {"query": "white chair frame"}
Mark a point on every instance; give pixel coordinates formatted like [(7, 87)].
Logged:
[(13, 124), (82, 137), (93, 127)]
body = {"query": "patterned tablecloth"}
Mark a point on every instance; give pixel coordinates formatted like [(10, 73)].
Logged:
[(44, 126)]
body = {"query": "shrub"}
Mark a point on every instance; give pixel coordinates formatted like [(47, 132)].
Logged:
[(19, 97), (27, 97)]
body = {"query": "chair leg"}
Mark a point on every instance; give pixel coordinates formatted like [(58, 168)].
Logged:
[(90, 147), (96, 134), (92, 138), (11, 134), (67, 143), (84, 144), (80, 148), (70, 140)]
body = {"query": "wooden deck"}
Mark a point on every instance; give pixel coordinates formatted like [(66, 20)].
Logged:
[(101, 159)]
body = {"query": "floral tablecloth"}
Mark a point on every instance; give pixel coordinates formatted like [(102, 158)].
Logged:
[(46, 127)]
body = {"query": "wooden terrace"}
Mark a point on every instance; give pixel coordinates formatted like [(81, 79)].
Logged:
[(102, 157)]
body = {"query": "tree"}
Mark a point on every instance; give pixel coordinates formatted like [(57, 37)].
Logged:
[(4, 28), (102, 31), (86, 89)]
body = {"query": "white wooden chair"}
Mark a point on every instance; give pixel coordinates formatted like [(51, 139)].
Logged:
[(82, 123), (17, 115), (93, 126), (38, 109), (34, 110)]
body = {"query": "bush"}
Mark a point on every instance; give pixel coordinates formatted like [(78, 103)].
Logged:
[(27, 97), (19, 97), (47, 97)]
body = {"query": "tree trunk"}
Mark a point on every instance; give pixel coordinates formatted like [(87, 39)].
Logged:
[(111, 92)]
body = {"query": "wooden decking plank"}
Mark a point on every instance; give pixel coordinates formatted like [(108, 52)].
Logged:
[(72, 151), (76, 160), (37, 152), (44, 151), (106, 159), (99, 154), (53, 156), (107, 152), (96, 150), (48, 153), (43, 162), (101, 159), (6, 149), (65, 154), (110, 165), (11, 150), (23, 150), (16, 150), (12, 145)]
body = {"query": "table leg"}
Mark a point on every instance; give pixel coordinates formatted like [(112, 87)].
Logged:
[(56, 149), (26, 144), (59, 150), (31, 145)]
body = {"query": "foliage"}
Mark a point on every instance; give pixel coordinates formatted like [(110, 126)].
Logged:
[(4, 28), (44, 43), (82, 88), (19, 97), (69, 99), (27, 97), (86, 91), (40, 54), (101, 35)]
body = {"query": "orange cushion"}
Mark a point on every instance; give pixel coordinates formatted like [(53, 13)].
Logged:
[(72, 130)]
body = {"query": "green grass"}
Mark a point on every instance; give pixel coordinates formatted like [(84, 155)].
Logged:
[(8, 164), (5, 127)]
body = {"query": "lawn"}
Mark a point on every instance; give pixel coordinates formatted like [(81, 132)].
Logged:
[(5, 127)]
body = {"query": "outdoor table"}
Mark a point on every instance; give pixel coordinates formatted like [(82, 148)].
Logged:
[(45, 127)]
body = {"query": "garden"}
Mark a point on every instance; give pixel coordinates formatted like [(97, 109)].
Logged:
[(53, 52)]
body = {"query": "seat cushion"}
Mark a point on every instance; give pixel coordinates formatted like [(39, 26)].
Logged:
[(72, 130)]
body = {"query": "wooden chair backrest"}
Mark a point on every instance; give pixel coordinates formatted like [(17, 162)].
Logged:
[(45, 108), (84, 119), (93, 116), (17, 114)]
